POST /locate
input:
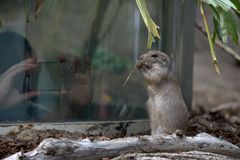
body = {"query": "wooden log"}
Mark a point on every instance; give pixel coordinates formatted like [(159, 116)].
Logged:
[(183, 155), (55, 149)]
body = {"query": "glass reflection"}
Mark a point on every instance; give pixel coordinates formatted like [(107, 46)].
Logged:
[(78, 54)]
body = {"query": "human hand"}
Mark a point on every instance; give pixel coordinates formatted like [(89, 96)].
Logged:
[(9, 95)]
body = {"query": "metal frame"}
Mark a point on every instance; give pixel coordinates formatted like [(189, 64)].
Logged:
[(177, 40), (86, 128)]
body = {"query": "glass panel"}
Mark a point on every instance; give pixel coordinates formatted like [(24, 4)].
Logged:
[(83, 51)]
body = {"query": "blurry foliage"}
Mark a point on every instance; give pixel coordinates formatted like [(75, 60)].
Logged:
[(225, 19), (106, 60)]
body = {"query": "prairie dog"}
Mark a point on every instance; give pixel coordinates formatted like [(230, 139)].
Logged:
[(167, 109)]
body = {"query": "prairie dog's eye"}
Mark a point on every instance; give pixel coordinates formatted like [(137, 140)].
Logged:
[(154, 55)]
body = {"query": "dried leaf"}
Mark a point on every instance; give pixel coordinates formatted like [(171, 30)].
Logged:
[(38, 8), (150, 24), (129, 75)]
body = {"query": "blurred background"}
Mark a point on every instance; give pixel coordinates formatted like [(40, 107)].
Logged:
[(85, 50)]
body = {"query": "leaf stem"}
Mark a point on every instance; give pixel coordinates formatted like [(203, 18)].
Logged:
[(214, 58)]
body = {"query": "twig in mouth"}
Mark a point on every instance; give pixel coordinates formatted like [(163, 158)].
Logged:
[(129, 75)]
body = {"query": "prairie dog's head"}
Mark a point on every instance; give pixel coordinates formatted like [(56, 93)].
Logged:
[(154, 65)]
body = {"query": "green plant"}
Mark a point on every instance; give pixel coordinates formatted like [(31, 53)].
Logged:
[(106, 60), (225, 19)]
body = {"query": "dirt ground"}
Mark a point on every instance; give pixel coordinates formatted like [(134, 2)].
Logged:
[(26, 139), (209, 91)]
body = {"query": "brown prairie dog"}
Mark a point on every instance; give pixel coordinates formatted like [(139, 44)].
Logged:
[(167, 109)]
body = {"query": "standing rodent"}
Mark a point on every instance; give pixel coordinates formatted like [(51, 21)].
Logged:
[(167, 109)]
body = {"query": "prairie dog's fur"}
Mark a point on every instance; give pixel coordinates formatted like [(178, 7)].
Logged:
[(166, 107)]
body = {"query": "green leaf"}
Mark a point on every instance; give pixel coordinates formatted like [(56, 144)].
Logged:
[(230, 26), (216, 21), (150, 24), (236, 3), (227, 23), (223, 28), (224, 4), (224, 15), (216, 31), (236, 20), (215, 13)]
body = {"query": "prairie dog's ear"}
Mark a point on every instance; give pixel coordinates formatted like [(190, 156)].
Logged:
[(165, 60)]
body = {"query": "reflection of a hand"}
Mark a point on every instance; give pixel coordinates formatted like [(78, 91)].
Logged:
[(9, 95)]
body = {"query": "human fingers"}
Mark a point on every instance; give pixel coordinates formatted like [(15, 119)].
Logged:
[(17, 70), (25, 62), (15, 97), (30, 60), (29, 95), (20, 67)]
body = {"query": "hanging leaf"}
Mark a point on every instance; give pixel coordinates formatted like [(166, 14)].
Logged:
[(224, 4), (216, 31), (214, 58), (223, 27), (223, 16), (236, 20), (215, 13), (150, 24), (38, 8), (216, 24), (237, 4), (230, 25), (227, 22)]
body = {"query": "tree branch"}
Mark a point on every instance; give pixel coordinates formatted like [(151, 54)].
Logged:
[(220, 44), (55, 149)]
